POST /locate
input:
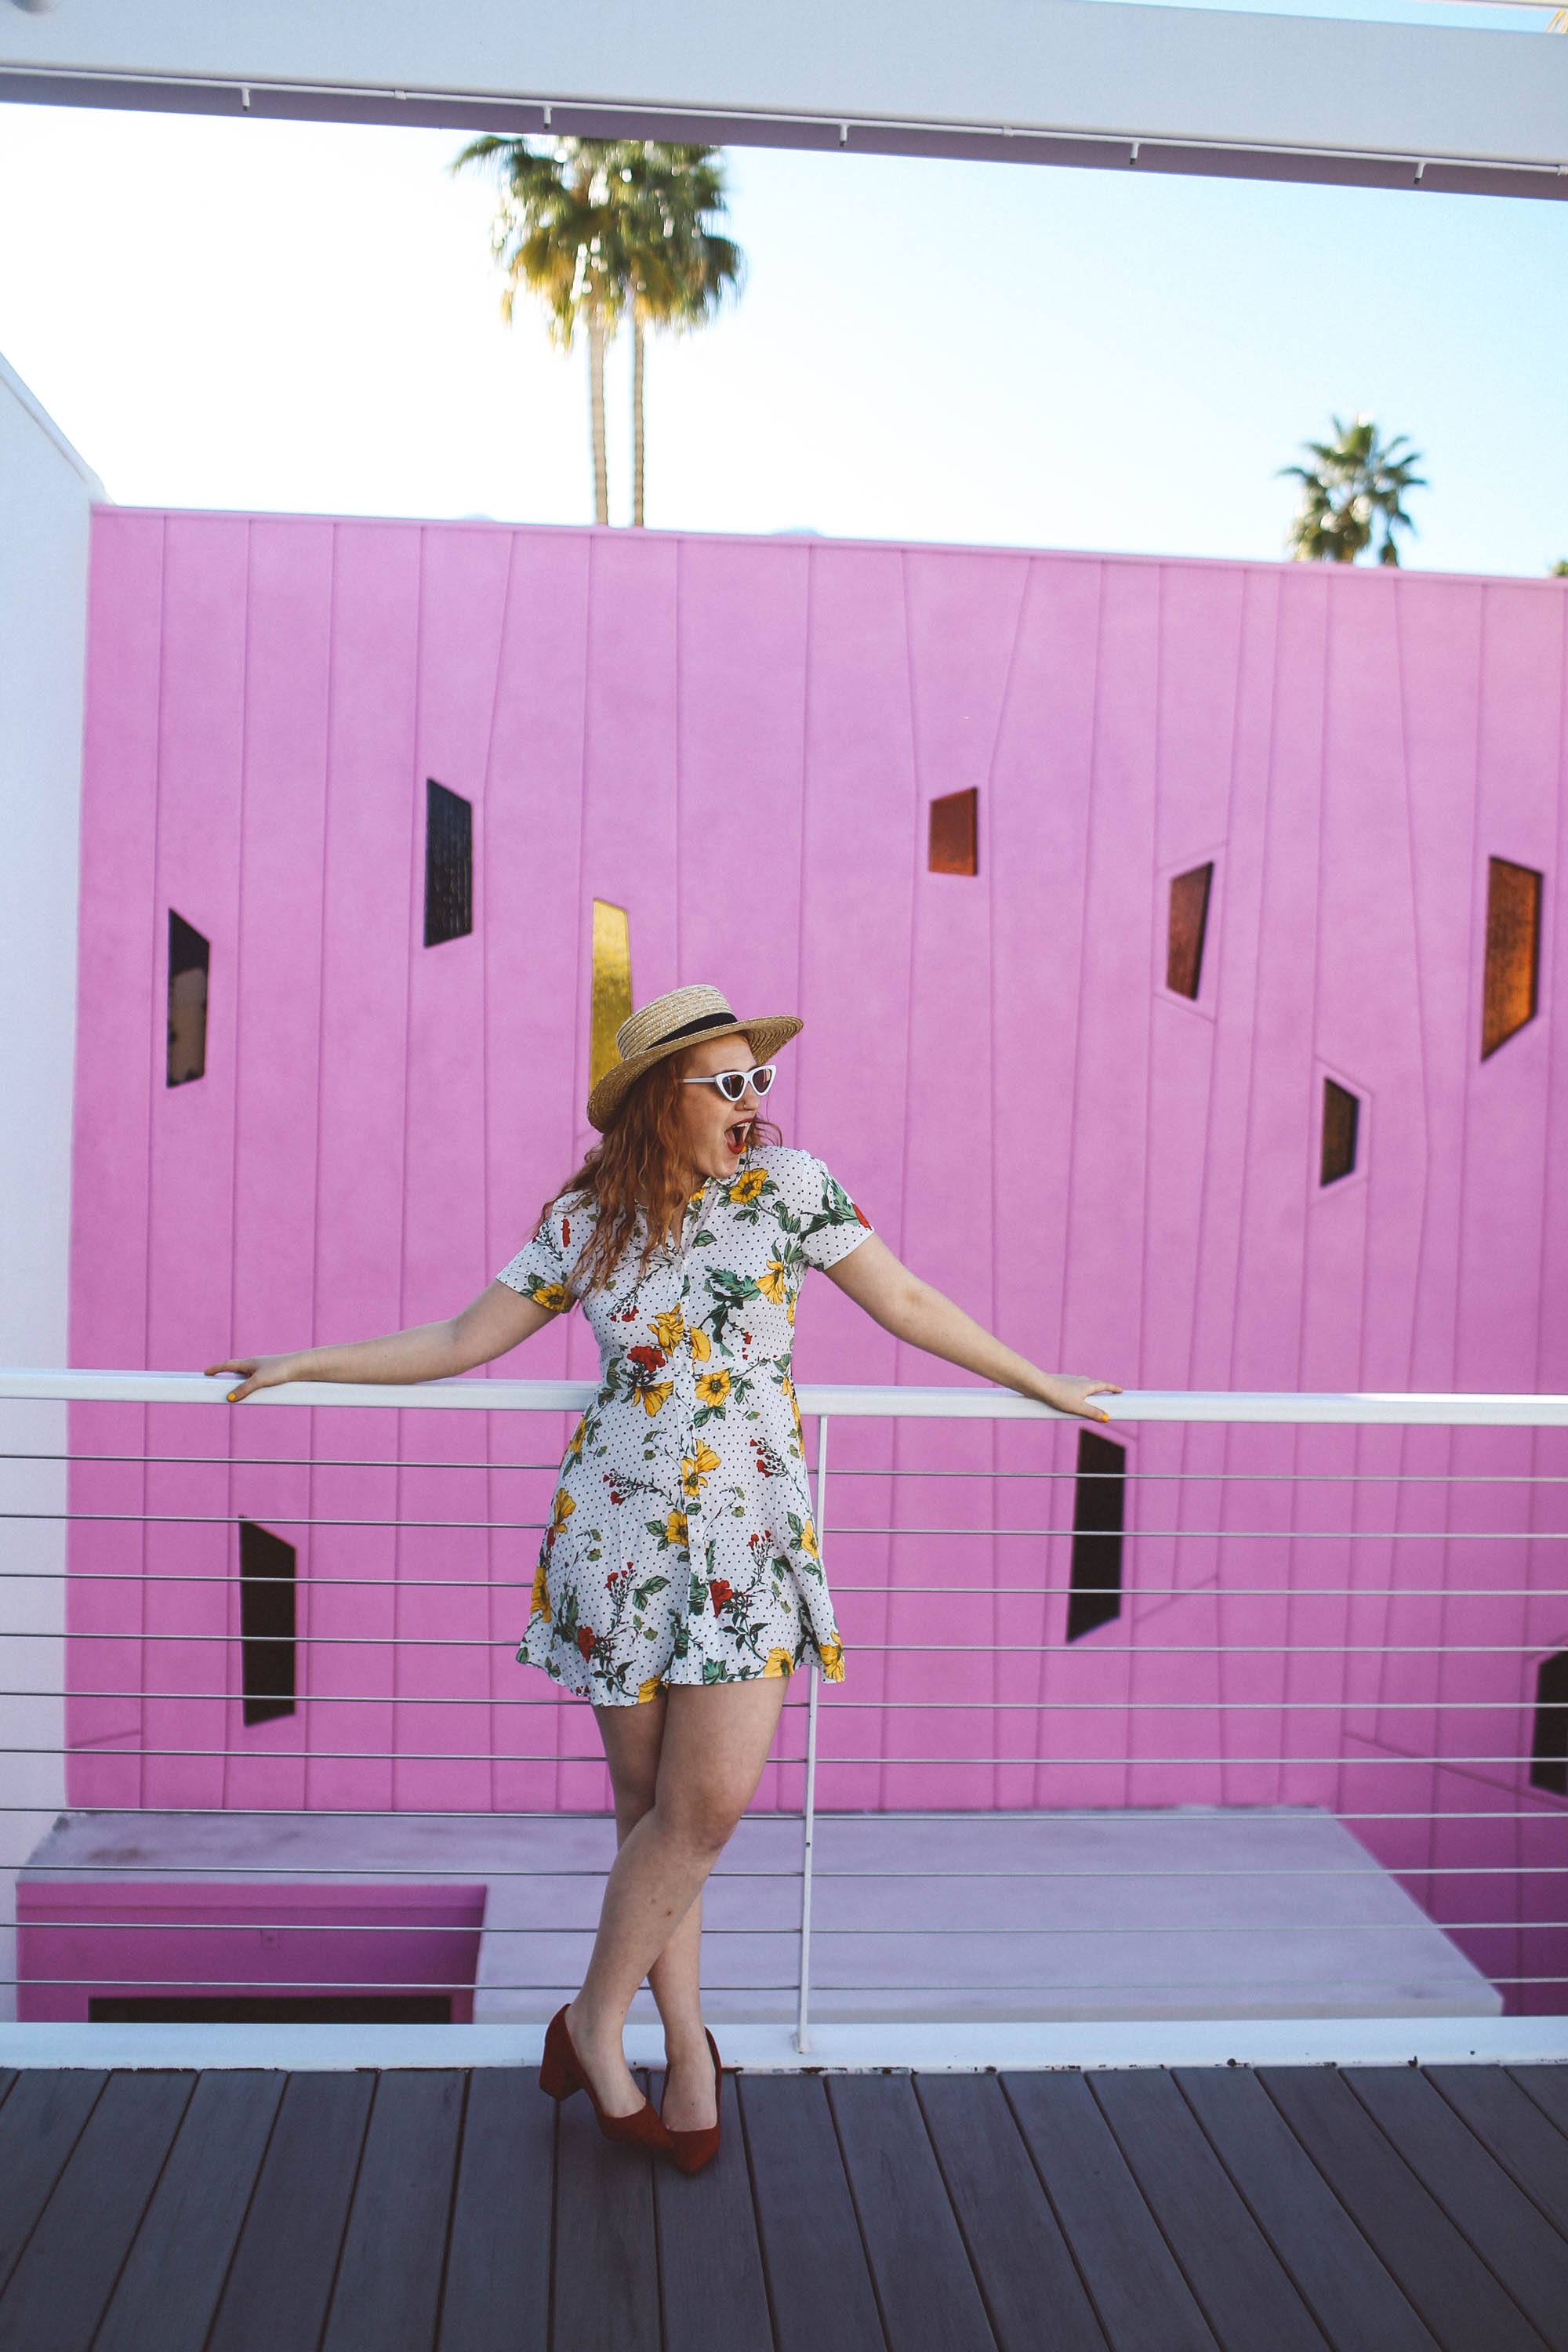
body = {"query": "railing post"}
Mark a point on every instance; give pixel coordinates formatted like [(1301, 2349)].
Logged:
[(808, 1800)]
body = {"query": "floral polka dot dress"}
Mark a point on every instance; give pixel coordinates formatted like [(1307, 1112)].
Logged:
[(681, 1547)]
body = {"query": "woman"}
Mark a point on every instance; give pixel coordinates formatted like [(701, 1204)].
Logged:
[(679, 1580)]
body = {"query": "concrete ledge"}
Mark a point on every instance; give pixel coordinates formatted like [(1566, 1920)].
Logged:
[(836, 2049)]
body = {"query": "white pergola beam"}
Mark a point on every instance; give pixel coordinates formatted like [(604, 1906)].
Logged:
[(1104, 83)]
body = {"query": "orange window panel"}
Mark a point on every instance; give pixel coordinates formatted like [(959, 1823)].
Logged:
[(954, 843), (1188, 922), (1513, 951)]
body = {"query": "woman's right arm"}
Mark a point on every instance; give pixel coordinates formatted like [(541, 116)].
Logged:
[(497, 1319)]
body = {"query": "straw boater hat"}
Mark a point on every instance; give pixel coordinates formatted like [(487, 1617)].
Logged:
[(670, 1024)]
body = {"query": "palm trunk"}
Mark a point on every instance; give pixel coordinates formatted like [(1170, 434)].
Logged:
[(636, 416), (596, 341)]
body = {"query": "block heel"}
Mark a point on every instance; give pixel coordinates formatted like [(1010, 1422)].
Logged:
[(561, 2073)]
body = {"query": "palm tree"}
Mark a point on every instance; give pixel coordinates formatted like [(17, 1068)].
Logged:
[(1352, 489), (558, 233), (680, 266)]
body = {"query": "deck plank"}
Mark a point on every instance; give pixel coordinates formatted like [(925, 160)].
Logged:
[(606, 2247), (1144, 2302), (387, 2288), (169, 2289), (819, 2280), (56, 2293), (1447, 2279), (1245, 2293), (281, 2277), (497, 2293), (39, 2125), (1507, 2120), (919, 2260), (714, 2295), (1548, 2086), (1358, 2303), (1025, 2269), (1491, 2211)]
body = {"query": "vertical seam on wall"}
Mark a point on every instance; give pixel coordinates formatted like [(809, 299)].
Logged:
[(1438, 1766), (479, 910), (802, 1066), (314, 1415), (1308, 1192), (585, 898), (410, 949), (1227, 1446), (1125, 1599), (1385, 1618), (1088, 807), (896, 1435), (232, 1592), (160, 938), (1221, 1681), (994, 1430)]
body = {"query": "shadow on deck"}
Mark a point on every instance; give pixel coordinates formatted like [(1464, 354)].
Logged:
[(1368, 2209)]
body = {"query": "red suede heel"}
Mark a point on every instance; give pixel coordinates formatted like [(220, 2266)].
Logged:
[(561, 2073), (693, 2149)]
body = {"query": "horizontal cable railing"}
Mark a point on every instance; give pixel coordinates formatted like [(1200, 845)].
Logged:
[(1391, 1688)]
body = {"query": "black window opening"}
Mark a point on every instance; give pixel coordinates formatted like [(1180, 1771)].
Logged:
[(1188, 921), (189, 955), (1513, 951), (266, 1637), (954, 843), (448, 864), (1098, 1520), (1548, 1750), (1340, 1113)]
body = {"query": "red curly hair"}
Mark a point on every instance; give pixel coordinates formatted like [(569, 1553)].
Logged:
[(638, 1165)]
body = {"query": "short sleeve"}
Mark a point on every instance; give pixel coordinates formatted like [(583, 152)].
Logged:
[(541, 1267), (832, 1224)]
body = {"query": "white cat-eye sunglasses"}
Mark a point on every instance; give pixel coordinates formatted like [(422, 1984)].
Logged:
[(732, 1083)]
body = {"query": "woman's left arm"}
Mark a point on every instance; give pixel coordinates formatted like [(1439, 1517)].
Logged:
[(911, 1309)]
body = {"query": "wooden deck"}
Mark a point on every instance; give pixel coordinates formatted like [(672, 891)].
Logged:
[(1368, 2210)]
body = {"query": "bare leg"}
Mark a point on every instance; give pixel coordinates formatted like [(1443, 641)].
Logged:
[(633, 1737), (714, 1746)]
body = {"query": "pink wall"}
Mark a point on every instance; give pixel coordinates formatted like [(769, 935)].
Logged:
[(736, 738)]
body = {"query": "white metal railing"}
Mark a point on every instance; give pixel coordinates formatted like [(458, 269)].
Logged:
[(824, 1404)]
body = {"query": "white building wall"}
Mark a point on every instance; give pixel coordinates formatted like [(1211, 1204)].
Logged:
[(45, 495)]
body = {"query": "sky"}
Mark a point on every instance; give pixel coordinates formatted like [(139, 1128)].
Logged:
[(305, 318)]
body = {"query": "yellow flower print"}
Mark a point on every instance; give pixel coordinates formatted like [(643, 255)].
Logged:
[(650, 1689), (747, 1187), (565, 1507), (695, 1467), (553, 1295), (713, 1387), (808, 1540), (574, 1443), (701, 1345), (674, 1528), (779, 1662), (539, 1602), (651, 1399), (789, 1310), (774, 1281), (668, 1329), (832, 1655)]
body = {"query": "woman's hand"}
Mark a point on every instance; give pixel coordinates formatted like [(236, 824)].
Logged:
[(260, 1372), (1067, 1391)]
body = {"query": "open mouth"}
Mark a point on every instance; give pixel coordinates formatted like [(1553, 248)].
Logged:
[(735, 1135)]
